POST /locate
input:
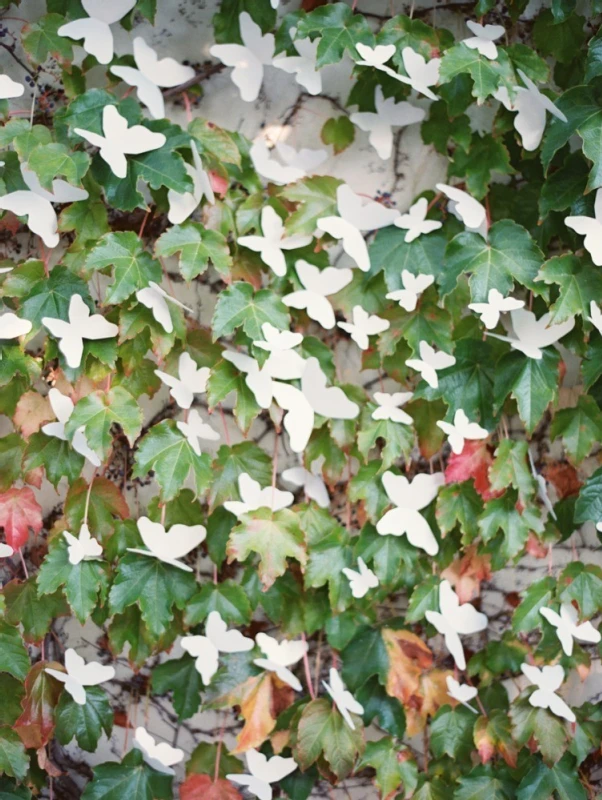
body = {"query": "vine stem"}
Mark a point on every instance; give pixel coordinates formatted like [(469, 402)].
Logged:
[(88, 493), (310, 686), (224, 423), (218, 755), (23, 564), (275, 464)]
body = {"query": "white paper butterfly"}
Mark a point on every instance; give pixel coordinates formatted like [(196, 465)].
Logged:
[(429, 362), (453, 619), (342, 698), (6, 550), (280, 656), (252, 497), (62, 406), (170, 546), (318, 285), (248, 58), (530, 106), (302, 66), (591, 228), (532, 334), (356, 214), (160, 756), (12, 326), (409, 498), (95, 28), (380, 124), (568, 627), (81, 326), (217, 639), (119, 140), (548, 680), (377, 57), (595, 318), (360, 582), (542, 489), (413, 285), (273, 242), (296, 163), (83, 547), (35, 203), (10, 88), (363, 326), (461, 692), (496, 304), (78, 675), (484, 38), (155, 298), (460, 430), (389, 407), (181, 205), (311, 481), (152, 73), (263, 771), (416, 223), (466, 209), (194, 429), (421, 75), (192, 380)]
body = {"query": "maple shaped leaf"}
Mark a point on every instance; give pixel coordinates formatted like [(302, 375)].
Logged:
[(473, 462), (19, 511)]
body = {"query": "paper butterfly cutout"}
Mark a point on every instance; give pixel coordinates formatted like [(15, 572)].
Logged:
[(363, 326), (429, 362), (595, 318), (420, 74), (377, 57), (466, 209), (530, 106), (181, 205), (360, 582), (318, 285), (416, 223), (155, 298), (280, 656), (413, 285), (303, 65), (389, 407), (119, 140), (453, 619), (496, 304), (83, 547), (542, 489), (311, 481), (296, 163), (152, 73), (95, 28), (35, 203), (6, 550), (283, 362), (342, 698), (194, 429), (78, 675), (591, 228), (12, 326), (356, 215), (263, 771), (160, 756), (461, 692), (273, 242), (170, 546), (248, 58), (568, 627), (484, 38), (460, 430), (379, 125), (217, 639), (409, 498), (252, 497), (192, 380), (548, 680), (62, 406), (10, 88), (532, 335), (81, 326)]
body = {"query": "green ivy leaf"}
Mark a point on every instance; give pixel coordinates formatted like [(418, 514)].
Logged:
[(339, 132), (219, 142), (14, 657), (132, 778), (478, 785), (339, 28), (441, 127), (197, 247), (580, 428), (98, 411), (41, 39), (559, 39), (316, 197), (459, 505), (477, 162), (533, 384), (133, 266), (511, 468), (561, 780), (50, 297), (549, 731), (451, 732), (84, 723), (384, 757), (181, 677), (240, 307), (230, 463), (226, 597), (51, 160), (24, 607), (582, 584), (14, 761), (526, 617), (322, 732), (579, 284), (486, 74), (501, 515), (589, 502)]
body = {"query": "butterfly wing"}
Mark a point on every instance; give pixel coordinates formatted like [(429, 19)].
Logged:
[(331, 402), (530, 119), (255, 786), (352, 239), (108, 11), (41, 216), (247, 74), (299, 421), (181, 539), (592, 230), (158, 306), (164, 72), (11, 327), (206, 654), (149, 93), (97, 36), (10, 88)]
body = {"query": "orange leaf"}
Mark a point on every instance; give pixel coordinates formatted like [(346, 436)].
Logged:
[(563, 477), (409, 657), (19, 511), (31, 413), (431, 695), (466, 573), (201, 787), (492, 735), (473, 462), (42, 692)]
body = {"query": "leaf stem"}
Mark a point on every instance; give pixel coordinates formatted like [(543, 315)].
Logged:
[(310, 687), (23, 564)]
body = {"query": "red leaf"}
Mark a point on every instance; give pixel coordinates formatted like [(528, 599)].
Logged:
[(19, 511), (563, 477), (201, 787), (473, 462), (42, 692)]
